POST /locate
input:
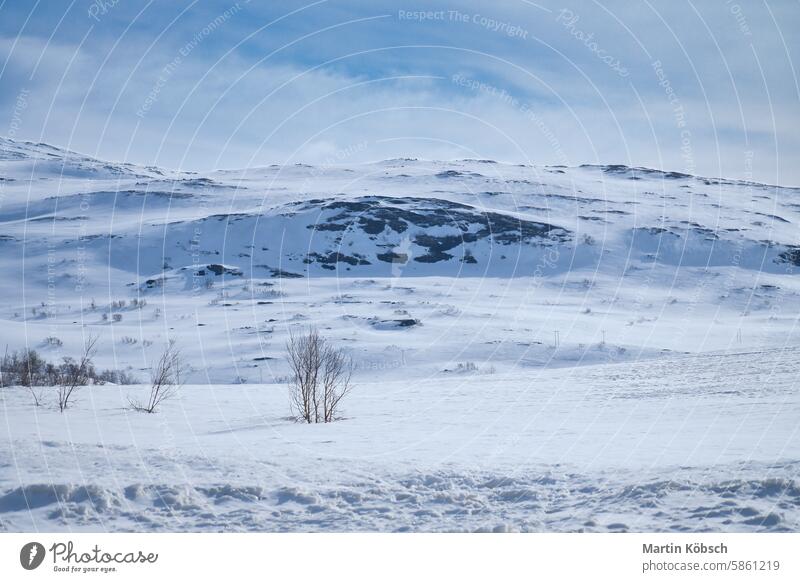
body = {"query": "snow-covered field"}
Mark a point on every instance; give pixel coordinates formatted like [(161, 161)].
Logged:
[(680, 444), (537, 348)]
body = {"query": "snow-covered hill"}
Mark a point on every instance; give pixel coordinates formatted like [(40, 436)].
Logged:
[(399, 255), (596, 348), (466, 217)]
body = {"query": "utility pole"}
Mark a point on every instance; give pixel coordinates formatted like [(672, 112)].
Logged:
[(604, 336), (556, 338)]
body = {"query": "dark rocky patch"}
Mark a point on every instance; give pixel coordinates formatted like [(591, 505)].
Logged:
[(706, 232), (59, 218), (218, 270), (392, 257), (280, 273), (375, 216), (329, 226), (617, 169), (233, 217), (381, 215), (654, 230), (158, 194), (791, 255), (395, 323), (331, 259), (773, 217), (438, 245)]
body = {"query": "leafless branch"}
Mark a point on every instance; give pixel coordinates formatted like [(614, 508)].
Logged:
[(165, 379), (76, 373)]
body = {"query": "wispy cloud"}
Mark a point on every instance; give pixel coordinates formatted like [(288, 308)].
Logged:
[(229, 84)]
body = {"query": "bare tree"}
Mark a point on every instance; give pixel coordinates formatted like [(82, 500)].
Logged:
[(165, 379), (320, 376), (15, 369), (75, 373)]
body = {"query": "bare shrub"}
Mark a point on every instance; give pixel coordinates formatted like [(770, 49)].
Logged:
[(20, 368), (27, 368), (30, 367), (75, 373), (165, 379), (16, 369), (320, 377)]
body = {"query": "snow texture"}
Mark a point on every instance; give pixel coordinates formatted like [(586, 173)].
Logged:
[(599, 348)]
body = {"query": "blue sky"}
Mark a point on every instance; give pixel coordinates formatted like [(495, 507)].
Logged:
[(707, 88)]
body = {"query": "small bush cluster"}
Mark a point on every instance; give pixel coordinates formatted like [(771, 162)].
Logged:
[(28, 368)]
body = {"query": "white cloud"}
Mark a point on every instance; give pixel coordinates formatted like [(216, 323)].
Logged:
[(216, 108)]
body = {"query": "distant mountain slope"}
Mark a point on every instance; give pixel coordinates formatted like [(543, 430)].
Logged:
[(420, 268), (469, 217)]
